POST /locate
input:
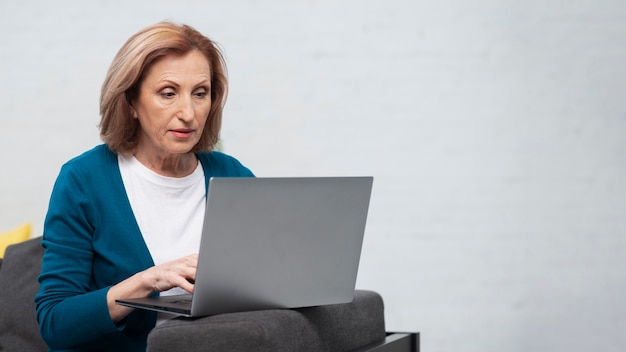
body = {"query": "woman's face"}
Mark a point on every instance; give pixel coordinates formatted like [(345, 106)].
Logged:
[(173, 104)]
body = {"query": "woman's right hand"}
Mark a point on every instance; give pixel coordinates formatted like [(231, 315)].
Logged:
[(177, 273)]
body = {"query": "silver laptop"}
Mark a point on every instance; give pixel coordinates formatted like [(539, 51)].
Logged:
[(275, 243)]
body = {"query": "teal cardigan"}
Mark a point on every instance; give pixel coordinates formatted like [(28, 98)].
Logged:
[(92, 241)]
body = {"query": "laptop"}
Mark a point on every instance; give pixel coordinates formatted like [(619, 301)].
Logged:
[(272, 243)]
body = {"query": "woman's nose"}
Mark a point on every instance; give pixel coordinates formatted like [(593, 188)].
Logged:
[(185, 109)]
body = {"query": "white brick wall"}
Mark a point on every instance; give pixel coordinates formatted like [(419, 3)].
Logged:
[(495, 131)]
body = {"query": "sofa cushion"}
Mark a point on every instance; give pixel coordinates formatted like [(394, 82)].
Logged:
[(340, 327), (344, 327), (19, 330)]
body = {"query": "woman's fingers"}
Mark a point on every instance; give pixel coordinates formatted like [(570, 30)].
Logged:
[(178, 273)]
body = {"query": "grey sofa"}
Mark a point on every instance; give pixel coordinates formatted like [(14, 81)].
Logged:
[(356, 326)]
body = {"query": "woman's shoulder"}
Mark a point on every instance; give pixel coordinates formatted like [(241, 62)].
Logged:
[(98, 154), (217, 163), (93, 162), (90, 171)]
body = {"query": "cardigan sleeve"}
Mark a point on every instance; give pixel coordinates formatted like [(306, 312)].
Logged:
[(69, 310)]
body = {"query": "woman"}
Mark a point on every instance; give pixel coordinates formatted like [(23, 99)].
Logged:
[(125, 217)]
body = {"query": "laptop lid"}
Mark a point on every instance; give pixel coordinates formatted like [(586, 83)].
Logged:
[(280, 243)]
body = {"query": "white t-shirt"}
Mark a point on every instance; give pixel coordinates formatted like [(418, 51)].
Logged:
[(169, 210)]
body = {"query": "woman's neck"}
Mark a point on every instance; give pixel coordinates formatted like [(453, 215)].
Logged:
[(171, 165)]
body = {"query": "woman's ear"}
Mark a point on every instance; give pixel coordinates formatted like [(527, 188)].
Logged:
[(133, 112)]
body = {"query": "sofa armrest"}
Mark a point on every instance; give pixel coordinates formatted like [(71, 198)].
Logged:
[(21, 265), (340, 327)]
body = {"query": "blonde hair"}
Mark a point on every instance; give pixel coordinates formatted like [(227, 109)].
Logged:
[(118, 129)]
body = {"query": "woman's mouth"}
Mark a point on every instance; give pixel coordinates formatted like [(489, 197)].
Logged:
[(182, 133)]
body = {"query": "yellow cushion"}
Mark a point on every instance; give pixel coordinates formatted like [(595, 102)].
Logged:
[(18, 235)]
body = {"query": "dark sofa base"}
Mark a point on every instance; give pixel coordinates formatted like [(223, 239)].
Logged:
[(394, 342)]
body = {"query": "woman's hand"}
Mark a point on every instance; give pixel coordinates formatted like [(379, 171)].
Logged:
[(178, 273)]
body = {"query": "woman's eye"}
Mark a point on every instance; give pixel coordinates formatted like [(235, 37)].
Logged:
[(200, 94), (167, 94)]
